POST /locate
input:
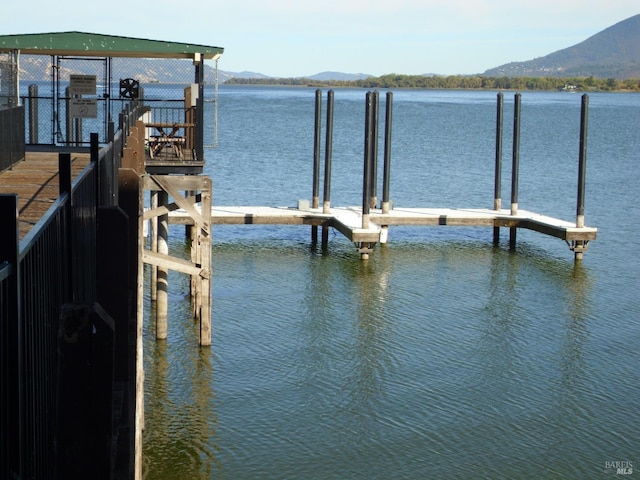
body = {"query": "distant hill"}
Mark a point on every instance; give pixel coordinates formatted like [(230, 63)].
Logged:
[(612, 53), (223, 76), (322, 76), (338, 76), (150, 70)]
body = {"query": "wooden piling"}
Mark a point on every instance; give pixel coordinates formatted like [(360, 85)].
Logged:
[(199, 265), (153, 234), (203, 233), (162, 298)]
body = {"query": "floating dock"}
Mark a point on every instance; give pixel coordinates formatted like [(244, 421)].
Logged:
[(348, 220)]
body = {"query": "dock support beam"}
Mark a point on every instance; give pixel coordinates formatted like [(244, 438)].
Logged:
[(199, 265), (515, 167)]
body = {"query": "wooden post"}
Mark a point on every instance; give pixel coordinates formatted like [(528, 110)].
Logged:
[(204, 241), (195, 284), (162, 298), (153, 232)]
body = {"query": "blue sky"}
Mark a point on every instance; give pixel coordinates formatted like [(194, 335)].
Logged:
[(286, 38)]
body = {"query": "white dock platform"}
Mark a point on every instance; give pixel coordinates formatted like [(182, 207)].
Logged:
[(348, 220)]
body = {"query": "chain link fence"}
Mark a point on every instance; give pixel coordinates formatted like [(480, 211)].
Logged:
[(8, 80), (68, 98)]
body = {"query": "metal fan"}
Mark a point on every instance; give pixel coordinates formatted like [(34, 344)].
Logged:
[(129, 88)]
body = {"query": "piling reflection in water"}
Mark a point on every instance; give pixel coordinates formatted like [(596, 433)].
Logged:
[(181, 418)]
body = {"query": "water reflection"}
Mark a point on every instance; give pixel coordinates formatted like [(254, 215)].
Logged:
[(345, 332), (533, 361), (180, 437)]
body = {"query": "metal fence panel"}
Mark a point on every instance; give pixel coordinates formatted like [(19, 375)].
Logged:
[(11, 136), (42, 273)]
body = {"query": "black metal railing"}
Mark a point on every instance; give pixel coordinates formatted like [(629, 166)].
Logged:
[(54, 264), (42, 277)]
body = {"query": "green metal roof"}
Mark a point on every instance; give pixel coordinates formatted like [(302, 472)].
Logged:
[(98, 45)]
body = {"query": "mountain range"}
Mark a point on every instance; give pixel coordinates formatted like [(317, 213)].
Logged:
[(318, 76), (611, 53)]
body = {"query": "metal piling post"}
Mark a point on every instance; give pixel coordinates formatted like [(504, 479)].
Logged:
[(315, 199), (515, 166), (328, 152), (386, 175), (497, 190), (580, 246)]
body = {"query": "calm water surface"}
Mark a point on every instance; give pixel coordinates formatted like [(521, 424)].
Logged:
[(440, 357)]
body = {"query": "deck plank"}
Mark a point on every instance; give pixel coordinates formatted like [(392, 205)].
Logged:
[(35, 181)]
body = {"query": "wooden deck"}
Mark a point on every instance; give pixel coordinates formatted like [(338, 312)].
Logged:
[(35, 180)]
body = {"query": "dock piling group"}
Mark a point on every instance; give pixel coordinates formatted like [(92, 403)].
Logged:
[(370, 167)]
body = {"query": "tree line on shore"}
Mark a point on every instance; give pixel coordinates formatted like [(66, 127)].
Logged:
[(467, 82)]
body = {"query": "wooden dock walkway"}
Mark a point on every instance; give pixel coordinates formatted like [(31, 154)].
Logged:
[(35, 181)]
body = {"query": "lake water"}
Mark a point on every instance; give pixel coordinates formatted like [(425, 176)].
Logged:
[(439, 357)]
